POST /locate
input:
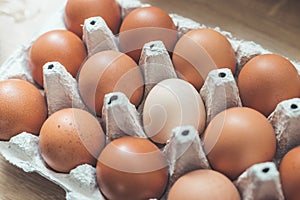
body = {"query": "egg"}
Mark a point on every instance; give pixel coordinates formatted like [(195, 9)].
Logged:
[(71, 137), (57, 45), (198, 52), (236, 139), (172, 103), (203, 184), (266, 80), (132, 168), (143, 25), (109, 71), (23, 108), (76, 11), (290, 174)]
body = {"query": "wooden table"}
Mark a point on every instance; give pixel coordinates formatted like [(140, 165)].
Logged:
[(275, 24)]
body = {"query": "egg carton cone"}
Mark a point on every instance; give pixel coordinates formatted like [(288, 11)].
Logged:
[(184, 152), (61, 89), (121, 117), (260, 182), (219, 92), (22, 150), (97, 36), (156, 66), (285, 121)]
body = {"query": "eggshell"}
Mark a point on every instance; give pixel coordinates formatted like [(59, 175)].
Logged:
[(290, 174), (23, 108), (109, 71), (144, 25), (57, 45), (71, 137), (172, 103), (203, 184), (266, 80), (236, 139), (132, 168), (120, 117), (198, 52), (76, 11)]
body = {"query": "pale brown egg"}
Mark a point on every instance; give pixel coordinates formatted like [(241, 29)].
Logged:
[(203, 184), (71, 137), (266, 80), (22, 108), (109, 71), (172, 103), (76, 11), (236, 139), (290, 174), (198, 52), (131, 168), (144, 25), (57, 45)]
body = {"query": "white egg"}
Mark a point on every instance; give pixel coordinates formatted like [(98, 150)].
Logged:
[(172, 103)]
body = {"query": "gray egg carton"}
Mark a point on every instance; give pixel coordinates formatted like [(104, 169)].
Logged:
[(184, 150)]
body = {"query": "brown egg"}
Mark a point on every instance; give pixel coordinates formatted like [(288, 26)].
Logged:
[(266, 80), (203, 184), (198, 52), (71, 137), (172, 103), (236, 139), (58, 45), (109, 71), (143, 25), (132, 168), (76, 11), (23, 108), (290, 174)]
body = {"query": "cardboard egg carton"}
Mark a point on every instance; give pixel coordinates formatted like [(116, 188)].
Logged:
[(184, 151)]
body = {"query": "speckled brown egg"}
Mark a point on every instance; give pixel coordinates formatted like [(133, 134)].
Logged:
[(109, 71), (198, 52), (71, 137), (131, 168), (203, 184), (266, 80), (22, 108), (238, 138), (290, 174), (143, 25), (57, 45), (76, 11)]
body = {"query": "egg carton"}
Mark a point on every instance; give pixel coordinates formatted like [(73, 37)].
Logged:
[(184, 151)]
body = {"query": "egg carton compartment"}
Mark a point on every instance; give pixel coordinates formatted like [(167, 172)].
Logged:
[(184, 150)]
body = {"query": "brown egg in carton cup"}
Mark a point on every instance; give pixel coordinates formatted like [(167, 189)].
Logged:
[(182, 148)]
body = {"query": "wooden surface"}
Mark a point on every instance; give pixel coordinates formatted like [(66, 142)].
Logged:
[(275, 24)]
